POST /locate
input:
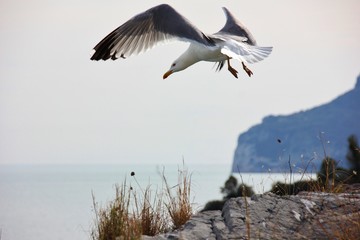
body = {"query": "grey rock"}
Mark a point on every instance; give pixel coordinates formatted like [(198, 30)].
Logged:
[(308, 215)]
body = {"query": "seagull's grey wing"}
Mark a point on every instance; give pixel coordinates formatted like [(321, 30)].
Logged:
[(235, 27), (145, 30)]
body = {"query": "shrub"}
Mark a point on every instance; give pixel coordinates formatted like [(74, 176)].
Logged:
[(214, 205), (231, 189)]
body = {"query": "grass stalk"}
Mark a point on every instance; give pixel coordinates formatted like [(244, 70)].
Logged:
[(179, 205)]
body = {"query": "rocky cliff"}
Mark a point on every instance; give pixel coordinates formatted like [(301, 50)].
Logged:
[(301, 137)]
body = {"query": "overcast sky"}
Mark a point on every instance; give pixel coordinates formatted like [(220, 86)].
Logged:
[(57, 106)]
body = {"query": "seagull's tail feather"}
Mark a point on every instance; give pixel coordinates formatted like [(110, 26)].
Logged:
[(219, 65)]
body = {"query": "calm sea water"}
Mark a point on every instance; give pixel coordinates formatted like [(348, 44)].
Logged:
[(39, 202)]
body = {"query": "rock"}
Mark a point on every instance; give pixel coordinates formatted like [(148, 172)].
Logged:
[(308, 215)]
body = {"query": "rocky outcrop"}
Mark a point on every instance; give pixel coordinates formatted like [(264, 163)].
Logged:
[(308, 215)]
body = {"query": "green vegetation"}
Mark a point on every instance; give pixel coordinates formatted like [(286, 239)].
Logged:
[(353, 158), (231, 189), (131, 215)]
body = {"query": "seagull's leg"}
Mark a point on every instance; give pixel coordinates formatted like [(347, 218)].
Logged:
[(231, 69), (247, 70)]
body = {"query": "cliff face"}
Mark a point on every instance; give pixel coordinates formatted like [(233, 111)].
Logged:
[(300, 137)]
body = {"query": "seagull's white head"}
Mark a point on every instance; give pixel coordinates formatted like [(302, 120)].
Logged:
[(176, 66), (185, 60)]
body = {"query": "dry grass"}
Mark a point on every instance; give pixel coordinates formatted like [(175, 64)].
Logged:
[(179, 205), (115, 219), (131, 215), (244, 191), (247, 219)]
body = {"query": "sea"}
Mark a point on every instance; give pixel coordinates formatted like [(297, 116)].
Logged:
[(42, 202)]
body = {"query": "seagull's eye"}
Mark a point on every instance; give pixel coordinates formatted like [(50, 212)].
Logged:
[(173, 65)]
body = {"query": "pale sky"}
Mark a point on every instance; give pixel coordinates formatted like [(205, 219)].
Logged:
[(57, 106)]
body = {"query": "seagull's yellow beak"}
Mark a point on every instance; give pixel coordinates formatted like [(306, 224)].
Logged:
[(168, 73)]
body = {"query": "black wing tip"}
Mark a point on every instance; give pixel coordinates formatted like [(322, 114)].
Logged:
[(98, 55), (94, 57)]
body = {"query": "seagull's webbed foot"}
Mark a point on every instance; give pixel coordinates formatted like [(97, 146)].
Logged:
[(232, 70), (247, 70)]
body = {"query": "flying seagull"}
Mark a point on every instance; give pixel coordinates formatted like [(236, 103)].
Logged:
[(161, 23)]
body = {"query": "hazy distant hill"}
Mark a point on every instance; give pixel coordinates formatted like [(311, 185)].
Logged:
[(300, 136)]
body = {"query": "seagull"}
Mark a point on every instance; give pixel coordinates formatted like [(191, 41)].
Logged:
[(162, 23)]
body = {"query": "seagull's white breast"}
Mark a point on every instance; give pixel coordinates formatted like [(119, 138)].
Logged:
[(207, 53)]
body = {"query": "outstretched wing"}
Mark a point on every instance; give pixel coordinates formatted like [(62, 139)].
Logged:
[(145, 30), (236, 28), (238, 43)]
